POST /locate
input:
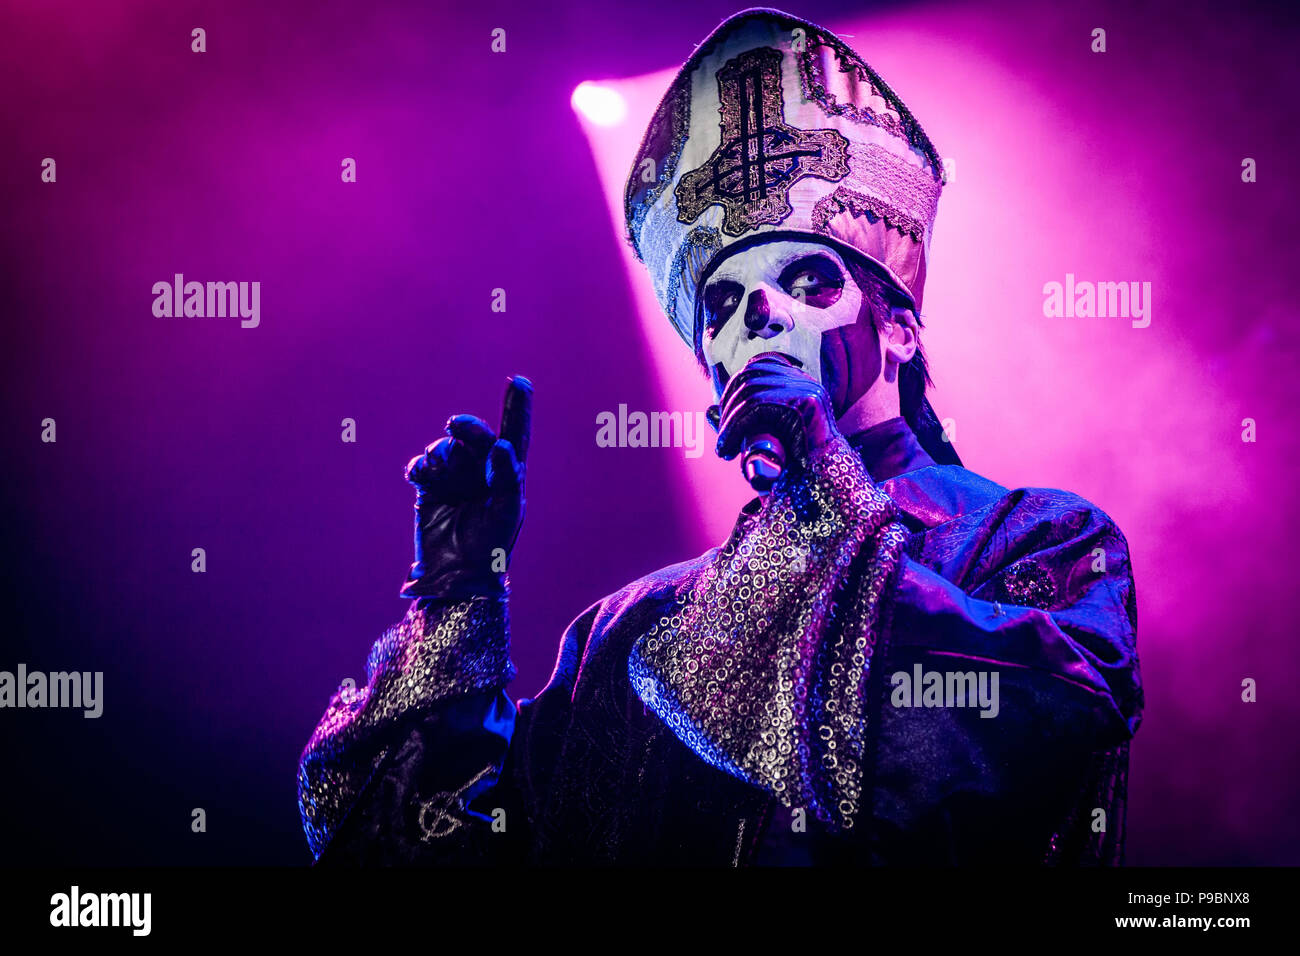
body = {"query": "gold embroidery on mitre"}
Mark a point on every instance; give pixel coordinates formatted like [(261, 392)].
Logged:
[(760, 156)]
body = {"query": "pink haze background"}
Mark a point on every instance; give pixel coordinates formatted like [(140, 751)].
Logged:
[(475, 173)]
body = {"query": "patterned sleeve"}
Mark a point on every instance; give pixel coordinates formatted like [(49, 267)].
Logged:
[(444, 662)]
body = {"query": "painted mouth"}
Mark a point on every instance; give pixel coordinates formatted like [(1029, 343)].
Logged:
[(785, 355)]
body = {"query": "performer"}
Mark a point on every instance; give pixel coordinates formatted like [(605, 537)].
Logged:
[(889, 660)]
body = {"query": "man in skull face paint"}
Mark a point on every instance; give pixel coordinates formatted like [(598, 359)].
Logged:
[(815, 689), (828, 314)]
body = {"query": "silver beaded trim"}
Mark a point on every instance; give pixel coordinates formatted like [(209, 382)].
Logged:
[(429, 656), (761, 666)]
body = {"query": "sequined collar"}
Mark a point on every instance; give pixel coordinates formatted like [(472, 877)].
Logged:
[(889, 449), (760, 665)]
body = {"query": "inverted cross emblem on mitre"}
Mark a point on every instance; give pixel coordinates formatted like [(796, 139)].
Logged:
[(760, 156)]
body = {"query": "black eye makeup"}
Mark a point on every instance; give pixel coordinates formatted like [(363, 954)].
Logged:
[(720, 301), (815, 279)]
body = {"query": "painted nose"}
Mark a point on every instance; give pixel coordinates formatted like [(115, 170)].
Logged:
[(758, 317)]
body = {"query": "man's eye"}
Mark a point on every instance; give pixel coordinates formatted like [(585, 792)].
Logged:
[(719, 311), (720, 302), (808, 279), (811, 285)]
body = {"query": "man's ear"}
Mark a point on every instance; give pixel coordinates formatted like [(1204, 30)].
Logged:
[(900, 336)]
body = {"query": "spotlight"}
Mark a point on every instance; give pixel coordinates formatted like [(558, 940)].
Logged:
[(601, 105)]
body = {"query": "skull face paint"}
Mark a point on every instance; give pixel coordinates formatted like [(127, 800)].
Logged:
[(794, 297)]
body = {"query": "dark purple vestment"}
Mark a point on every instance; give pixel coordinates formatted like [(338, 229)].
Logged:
[(773, 700)]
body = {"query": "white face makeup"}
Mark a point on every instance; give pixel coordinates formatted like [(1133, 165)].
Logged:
[(780, 296)]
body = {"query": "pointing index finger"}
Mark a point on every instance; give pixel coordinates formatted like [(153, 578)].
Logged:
[(517, 414)]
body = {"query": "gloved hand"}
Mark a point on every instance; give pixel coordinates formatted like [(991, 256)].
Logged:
[(469, 502), (774, 396)]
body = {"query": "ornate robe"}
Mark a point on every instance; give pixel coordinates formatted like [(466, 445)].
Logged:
[(889, 661)]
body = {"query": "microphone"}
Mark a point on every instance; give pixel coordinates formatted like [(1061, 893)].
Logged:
[(762, 456), (762, 461)]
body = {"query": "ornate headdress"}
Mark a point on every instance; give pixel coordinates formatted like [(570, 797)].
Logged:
[(772, 127)]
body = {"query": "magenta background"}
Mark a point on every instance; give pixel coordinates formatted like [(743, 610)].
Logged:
[(474, 173)]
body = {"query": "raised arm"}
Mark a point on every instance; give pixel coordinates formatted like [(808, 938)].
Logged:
[(393, 767)]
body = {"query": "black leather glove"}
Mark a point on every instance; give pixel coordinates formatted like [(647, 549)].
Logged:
[(469, 502), (774, 396)]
